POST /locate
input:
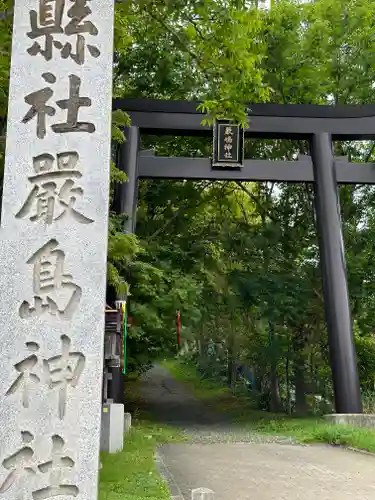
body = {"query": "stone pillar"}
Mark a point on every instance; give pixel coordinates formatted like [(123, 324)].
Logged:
[(112, 433), (53, 247)]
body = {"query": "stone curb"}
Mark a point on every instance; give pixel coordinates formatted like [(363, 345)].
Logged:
[(168, 477), (357, 450)]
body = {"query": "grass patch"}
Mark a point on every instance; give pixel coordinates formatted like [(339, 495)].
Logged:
[(318, 431), (241, 411), (132, 474)]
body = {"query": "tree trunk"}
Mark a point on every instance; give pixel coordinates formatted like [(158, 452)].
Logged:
[(287, 377), (231, 361), (275, 403), (300, 386), (299, 368), (232, 357)]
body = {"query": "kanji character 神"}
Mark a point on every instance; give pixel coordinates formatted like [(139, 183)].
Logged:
[(50, 23), (49, 279), (53, 189), (55, 373), (39, 109), (29, 374), (63, 370)]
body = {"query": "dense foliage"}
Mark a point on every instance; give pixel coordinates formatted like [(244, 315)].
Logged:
[(240, 261)]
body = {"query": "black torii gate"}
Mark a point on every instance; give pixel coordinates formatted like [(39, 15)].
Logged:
[(320, 125)]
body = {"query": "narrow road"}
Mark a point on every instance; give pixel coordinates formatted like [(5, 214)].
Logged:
[(239, 465), (169, 402)]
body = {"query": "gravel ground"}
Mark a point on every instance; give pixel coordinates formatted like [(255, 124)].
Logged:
[(224, 434)]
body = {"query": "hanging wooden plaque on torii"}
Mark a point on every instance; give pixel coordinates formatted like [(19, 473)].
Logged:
[(228, 145)]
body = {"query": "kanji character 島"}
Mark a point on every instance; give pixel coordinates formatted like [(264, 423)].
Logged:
[(49, 279)]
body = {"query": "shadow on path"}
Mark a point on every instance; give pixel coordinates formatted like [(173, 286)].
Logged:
[(168, 402)]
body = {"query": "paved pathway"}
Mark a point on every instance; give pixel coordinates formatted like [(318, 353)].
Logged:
[(170, 403), (270, 471), (238, 465)]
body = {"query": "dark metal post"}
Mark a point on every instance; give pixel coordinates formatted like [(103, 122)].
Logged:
[(336, 296), (128, 163), (126, 203)]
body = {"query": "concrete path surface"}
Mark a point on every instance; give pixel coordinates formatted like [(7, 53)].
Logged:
[(271, 471), (239, 465)]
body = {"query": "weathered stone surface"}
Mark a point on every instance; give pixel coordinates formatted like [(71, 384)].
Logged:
[(127, 422), (112, 431), (202, 494), (53, 249), (354, 419)]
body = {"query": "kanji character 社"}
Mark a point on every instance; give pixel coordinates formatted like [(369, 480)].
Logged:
[(39, 109), (38, 102), (54, 189), (21, 464), (54, 467), (72, 105), (49, 279)]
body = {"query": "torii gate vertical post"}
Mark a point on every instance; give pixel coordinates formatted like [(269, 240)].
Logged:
[(335, 285), (126, 204), (128, 163)]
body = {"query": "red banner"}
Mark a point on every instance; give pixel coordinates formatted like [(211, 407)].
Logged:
[(178, 328)]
